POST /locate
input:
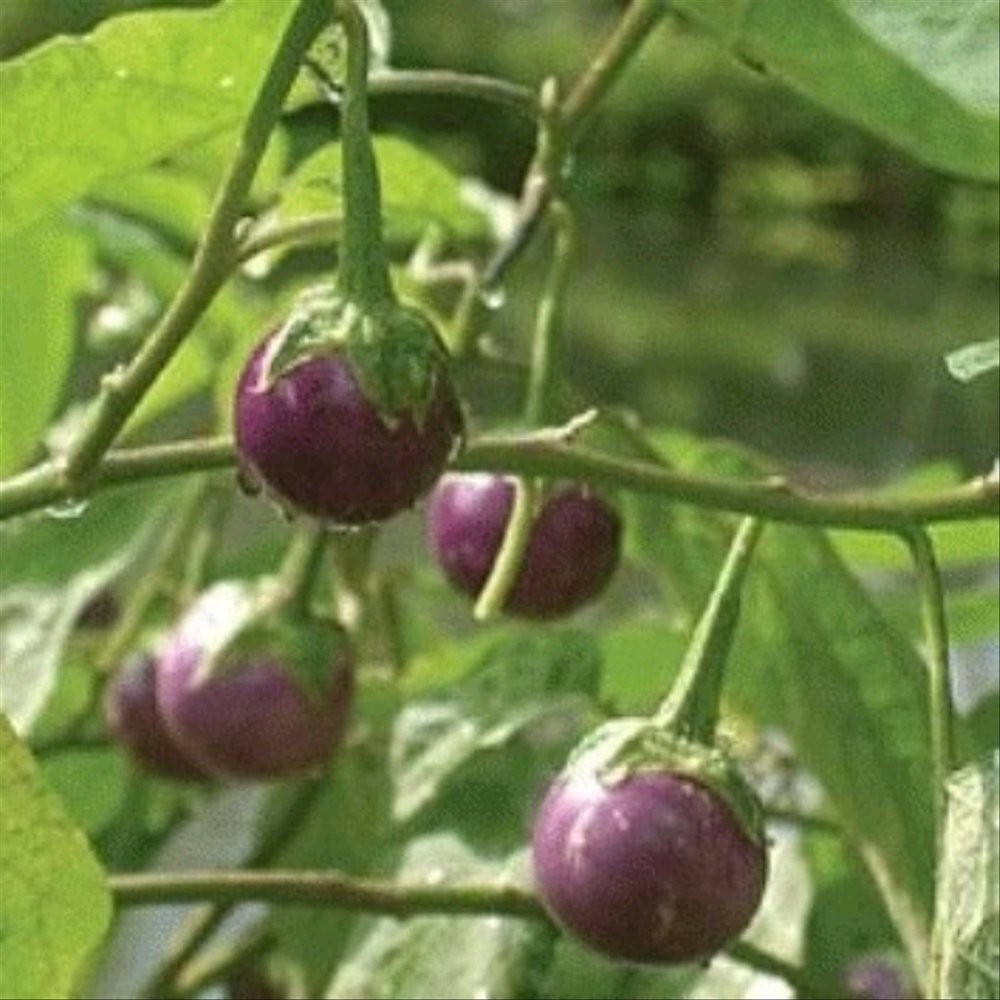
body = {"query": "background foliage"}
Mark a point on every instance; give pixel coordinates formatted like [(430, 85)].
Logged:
[(782, 235)]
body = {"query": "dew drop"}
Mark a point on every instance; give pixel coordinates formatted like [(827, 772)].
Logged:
[(227, 82), (493, 298), (67, 510)]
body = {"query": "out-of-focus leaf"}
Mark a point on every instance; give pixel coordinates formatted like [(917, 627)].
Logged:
[(968, 910), (52, 567), (55, 906), (417, 191), (641, 659), (135, 88), (348, 829), (91, 783), (517, 685), (35, 623), (919, 73), (847, 918), (978, 732), (973, 359), (815, 658), (443, 957), (40, 274)]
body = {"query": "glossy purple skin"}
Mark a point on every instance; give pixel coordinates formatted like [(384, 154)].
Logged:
[(133, 717), (253, 721), (653, 869), (320, 444), (573, 551), (878, 979)]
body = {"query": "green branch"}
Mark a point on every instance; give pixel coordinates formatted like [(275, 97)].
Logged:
[(327, 888), (121, 391), (545, 454)]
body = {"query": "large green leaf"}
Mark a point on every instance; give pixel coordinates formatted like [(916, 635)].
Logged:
[(968, 908), (40, 273), (815, 658), (54, 904), (79, 110), (920, 73), (444, 957)]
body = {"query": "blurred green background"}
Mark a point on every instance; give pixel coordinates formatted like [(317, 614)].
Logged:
[(750, 266)]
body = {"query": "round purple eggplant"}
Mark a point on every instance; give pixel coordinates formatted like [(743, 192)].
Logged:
[(572, 553), (133, 717), (324, 446)]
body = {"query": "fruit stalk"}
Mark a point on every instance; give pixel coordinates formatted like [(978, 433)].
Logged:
[(301, 567), (691, 709), (508, 560), (363, 272)]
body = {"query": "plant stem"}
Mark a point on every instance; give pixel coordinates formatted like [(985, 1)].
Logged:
[(204, 922), (363, 269), (447, 82), (507, 563), (544, 454), (122, 391), (621, 45), (301, 566), (328, 888), (691, 709), (547, 344), (227, 959), (561, 128)]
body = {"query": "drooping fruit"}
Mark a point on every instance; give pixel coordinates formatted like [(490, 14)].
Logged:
[(133, 717), (340, 441), (649, 849), (347, 411), (252, 698), (572, 553)]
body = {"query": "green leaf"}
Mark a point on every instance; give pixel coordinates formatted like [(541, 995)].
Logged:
[(40, 273), (52, 569), (442, 957), (815, 658), (35, 623), (974, 359), (55, 906), (91, 783), (920, 73), (80, 110), (967, 928), (516, 686), (417, 191)]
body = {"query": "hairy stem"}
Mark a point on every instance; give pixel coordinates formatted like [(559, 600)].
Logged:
[(544, 454), (121, 391), (363, 270), (692, 707), (506, 566), (301, 567)]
